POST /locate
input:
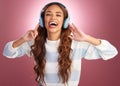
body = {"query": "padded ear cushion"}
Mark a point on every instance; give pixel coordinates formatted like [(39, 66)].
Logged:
[(66, 22), (41, 21)]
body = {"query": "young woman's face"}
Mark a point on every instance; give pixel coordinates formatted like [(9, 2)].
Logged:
[(54, 18)]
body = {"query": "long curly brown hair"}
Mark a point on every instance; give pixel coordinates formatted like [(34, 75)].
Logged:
[(39, 51)]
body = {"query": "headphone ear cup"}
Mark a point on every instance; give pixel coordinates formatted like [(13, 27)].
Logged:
[(66, 22), (41, 21)]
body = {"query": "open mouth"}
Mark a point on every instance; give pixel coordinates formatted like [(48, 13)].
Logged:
[(53, 24)]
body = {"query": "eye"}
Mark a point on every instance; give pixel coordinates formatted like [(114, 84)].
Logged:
[(48, 14), (59, 15)]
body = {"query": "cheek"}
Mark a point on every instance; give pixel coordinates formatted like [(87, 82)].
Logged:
[(46, 20), (61, 20)]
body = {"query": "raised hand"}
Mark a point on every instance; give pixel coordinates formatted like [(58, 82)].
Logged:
[(31, 34), (76, 34)]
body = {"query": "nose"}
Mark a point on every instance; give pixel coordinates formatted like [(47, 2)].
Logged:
[(53, 17)]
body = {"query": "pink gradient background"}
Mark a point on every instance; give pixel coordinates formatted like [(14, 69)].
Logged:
[(99, 18)]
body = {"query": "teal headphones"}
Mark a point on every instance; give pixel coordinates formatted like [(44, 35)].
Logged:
[(41, 19)]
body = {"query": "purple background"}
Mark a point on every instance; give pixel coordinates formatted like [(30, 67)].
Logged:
[(99, 18)]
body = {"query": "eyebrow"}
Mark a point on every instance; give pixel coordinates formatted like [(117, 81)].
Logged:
[(51, 11)]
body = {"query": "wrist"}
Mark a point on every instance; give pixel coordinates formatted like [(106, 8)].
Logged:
[(87, 38), (23, 39), (18, 42), (93, 40)]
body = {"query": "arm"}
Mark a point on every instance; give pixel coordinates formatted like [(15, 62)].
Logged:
[(19, 51), (94, 48), (20, 46), (29, 36), (105, 50), (78, 35)]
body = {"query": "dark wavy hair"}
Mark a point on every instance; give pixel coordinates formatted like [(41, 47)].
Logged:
[(64, 49)]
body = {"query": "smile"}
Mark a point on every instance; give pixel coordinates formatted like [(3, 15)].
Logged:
[(53, 24)]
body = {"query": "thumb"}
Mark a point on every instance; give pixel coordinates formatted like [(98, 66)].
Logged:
[(71, 36)]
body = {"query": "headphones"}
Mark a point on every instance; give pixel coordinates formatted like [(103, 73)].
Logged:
[(41, 19)]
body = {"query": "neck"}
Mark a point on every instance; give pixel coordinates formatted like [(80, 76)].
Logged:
[(53, 36)]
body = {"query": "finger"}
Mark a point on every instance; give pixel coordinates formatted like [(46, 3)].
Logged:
[(71, 37), (32, 34), (78, 30), (35, 33), (35, 30), (75, 28), (71, 28), (36, 27)]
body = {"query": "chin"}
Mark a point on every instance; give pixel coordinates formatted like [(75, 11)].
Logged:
[(53, 30)]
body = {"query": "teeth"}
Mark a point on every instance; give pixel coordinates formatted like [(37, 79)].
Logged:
[(53, 23)]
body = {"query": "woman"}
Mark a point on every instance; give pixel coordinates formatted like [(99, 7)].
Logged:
[(58, 47)]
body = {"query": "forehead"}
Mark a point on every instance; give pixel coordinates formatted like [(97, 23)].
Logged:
[(54, 8)]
